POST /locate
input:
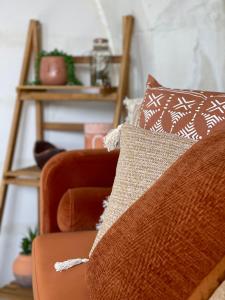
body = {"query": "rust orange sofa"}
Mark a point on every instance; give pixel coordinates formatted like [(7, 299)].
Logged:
[(73, 187)]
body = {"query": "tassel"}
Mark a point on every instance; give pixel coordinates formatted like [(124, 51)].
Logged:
[(112, 139), (67, 264)]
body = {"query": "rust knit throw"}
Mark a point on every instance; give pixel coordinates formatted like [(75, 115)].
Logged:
[(170, 244)]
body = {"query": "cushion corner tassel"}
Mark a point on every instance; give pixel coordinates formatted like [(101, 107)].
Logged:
[(67, 264), (112, 139)]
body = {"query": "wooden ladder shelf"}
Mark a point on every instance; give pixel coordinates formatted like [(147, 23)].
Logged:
[(40, 94)]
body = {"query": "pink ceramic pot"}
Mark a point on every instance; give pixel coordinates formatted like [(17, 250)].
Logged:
[(95, 133), (53, 70), (22, 270)]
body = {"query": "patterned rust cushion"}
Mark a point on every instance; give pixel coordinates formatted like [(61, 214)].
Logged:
[(170, 244), (192, 114)]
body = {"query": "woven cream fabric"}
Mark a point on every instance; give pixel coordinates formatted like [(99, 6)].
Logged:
[(144, 156), (219, 293)]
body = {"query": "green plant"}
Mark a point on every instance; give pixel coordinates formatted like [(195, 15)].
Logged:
[(70, 66), (26, 244)]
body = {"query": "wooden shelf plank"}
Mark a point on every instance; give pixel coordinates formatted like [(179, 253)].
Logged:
[(32, 171), (13, 291), (22, 181), (71, 88), (63, 126), (115, 59), (45, 96), (29, 176)]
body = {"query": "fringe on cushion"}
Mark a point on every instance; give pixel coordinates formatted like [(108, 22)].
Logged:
[(112, 139), (67, 264), (104, 204), (98, 225)]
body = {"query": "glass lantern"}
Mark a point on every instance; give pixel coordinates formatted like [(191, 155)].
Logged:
[(100, 63)]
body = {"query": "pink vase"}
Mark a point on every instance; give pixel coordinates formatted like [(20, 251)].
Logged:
[(53, 70), (22, 270), (95, 133)]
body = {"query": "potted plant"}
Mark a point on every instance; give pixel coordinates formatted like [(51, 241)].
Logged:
[(55, 68), (22, 267)]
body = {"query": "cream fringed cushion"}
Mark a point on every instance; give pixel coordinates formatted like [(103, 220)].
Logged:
[(144, 156)]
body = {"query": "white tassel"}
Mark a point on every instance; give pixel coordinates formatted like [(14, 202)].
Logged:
[(112, 139), (67, 264)]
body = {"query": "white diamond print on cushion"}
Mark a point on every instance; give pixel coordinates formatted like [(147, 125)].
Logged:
[(187, 113)]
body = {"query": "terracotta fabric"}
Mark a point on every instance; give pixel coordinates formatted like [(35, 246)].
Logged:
[(152, 82), (49, 248), (170, 243), (80, 208), (192, 114), (80, 168)]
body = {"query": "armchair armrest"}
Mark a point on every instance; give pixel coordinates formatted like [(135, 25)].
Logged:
[(81, 208), (67, 170)]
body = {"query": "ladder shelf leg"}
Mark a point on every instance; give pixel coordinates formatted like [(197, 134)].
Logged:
[(128, 22), (3, 193), (32, 44), (9, 153)]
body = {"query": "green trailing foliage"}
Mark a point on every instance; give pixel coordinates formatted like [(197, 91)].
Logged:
[(70, 66), (26, 244)]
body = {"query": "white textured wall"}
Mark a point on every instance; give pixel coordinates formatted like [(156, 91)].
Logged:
[(182, 43)]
